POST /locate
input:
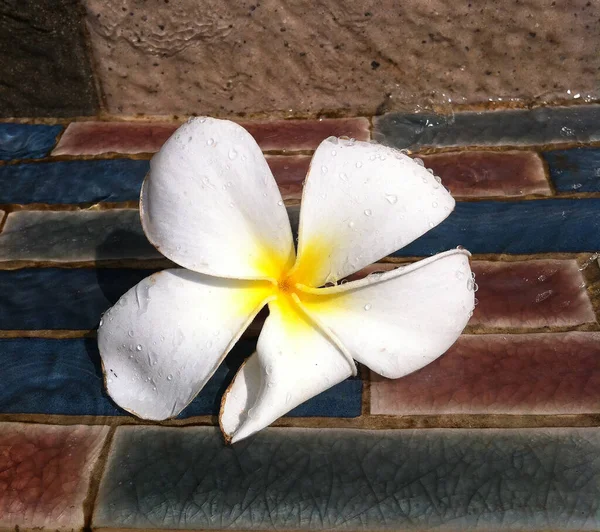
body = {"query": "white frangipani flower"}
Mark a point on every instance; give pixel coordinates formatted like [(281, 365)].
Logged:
[(211, 205)]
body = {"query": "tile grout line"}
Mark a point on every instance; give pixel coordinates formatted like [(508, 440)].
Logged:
[(548, 176), (96, 478)]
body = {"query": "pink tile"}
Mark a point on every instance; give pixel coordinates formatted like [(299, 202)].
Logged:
[(44, 474), (500, 374), (488, 173), (524, 294), (96, 138), (290, 172)]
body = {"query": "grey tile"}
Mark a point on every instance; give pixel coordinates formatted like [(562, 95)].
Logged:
[(44, 66), (543, 125), (65, 236), (308, 479)]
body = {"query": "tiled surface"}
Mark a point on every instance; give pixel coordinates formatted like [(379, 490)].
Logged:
[(74, 236), (45, 65), (543, 125), (515, 227), (47, 376), (575, 170), (290, 172), (27, 141), (44, 474), (307, 57), (94, 138), (73, 181), (353, 480), (500, 374), (481, 173)]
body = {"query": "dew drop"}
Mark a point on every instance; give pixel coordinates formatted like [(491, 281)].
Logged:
[(251, 413), (101, 322), (391, 198), (358, 164), (333, 152), (372, 157), (430, 170), (434, 204), (169, 377), (109, 381), (138, 347), (323, 169), (210, 141), (280, 203), (419, 161), (460, 274), (368, 212), (343, 176), (130, 334), (367, 306), (431, 224), (351, 224), (232, 154)]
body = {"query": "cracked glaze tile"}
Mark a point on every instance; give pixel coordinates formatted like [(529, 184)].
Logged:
[(576, 170), (556, 373), (543, 125), (489, 173), (26, 141), (95, 138), (46, 376), (44, 474), (309, 479)]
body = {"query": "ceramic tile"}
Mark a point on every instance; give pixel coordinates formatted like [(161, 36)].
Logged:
[(74, 236), (45, 376), (489, 173), (309, 479), (307, 57), (44, 474), (576, 170), (543, 125), (26, 141), (517, 227), (290, 172), (500, 374), (73, 181), (46, 69), (95, 138)]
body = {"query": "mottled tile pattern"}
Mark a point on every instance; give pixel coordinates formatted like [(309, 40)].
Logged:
[(46, 376), (74, 236), (95, 138), (45, 65), (500, 374), (44, 474), (73, 181), (575, 170), (294, 479), (516, 227), (357, 57), (488, 173), (26, 141), (290, 172), (543, 125), (535, 293)]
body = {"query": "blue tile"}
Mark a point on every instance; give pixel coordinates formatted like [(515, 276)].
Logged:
[(73, 181), (55, 298), (518, 127), (64, 377), (576, 170), (309, 479), (26, 141), (519, 227)]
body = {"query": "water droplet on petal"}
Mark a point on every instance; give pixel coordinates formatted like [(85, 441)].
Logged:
[(460, 274), (232, 154), (210, 141), (350, 224), (368, 212), (419, 161), (434, 204), (280, 203), (130, 334), (323, 169), (333, 152), (138, 347), (431, 224), (169, 377), (343, 176), (391, 198), (358, 164), (367, 306), (101, 322)]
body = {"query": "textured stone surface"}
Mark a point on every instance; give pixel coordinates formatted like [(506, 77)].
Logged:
[(44, 376), (543, 125), (515, 227), (290, 172), (44, 474), (499, 374), (229, 58), (576, 170), (294, 479), (74, 236), (45, 69), (487, 173), (535, 293), (72, 181), (26, 141), (95, 138)]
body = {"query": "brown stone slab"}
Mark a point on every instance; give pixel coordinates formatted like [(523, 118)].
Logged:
[(290, 172), (44, 474), (500, 374), (96, 138), (487, 173)]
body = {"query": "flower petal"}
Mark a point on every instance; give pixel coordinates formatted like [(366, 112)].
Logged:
[(166, 336), (399, 321), (295, 361), (210, 203), (361, 202)]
